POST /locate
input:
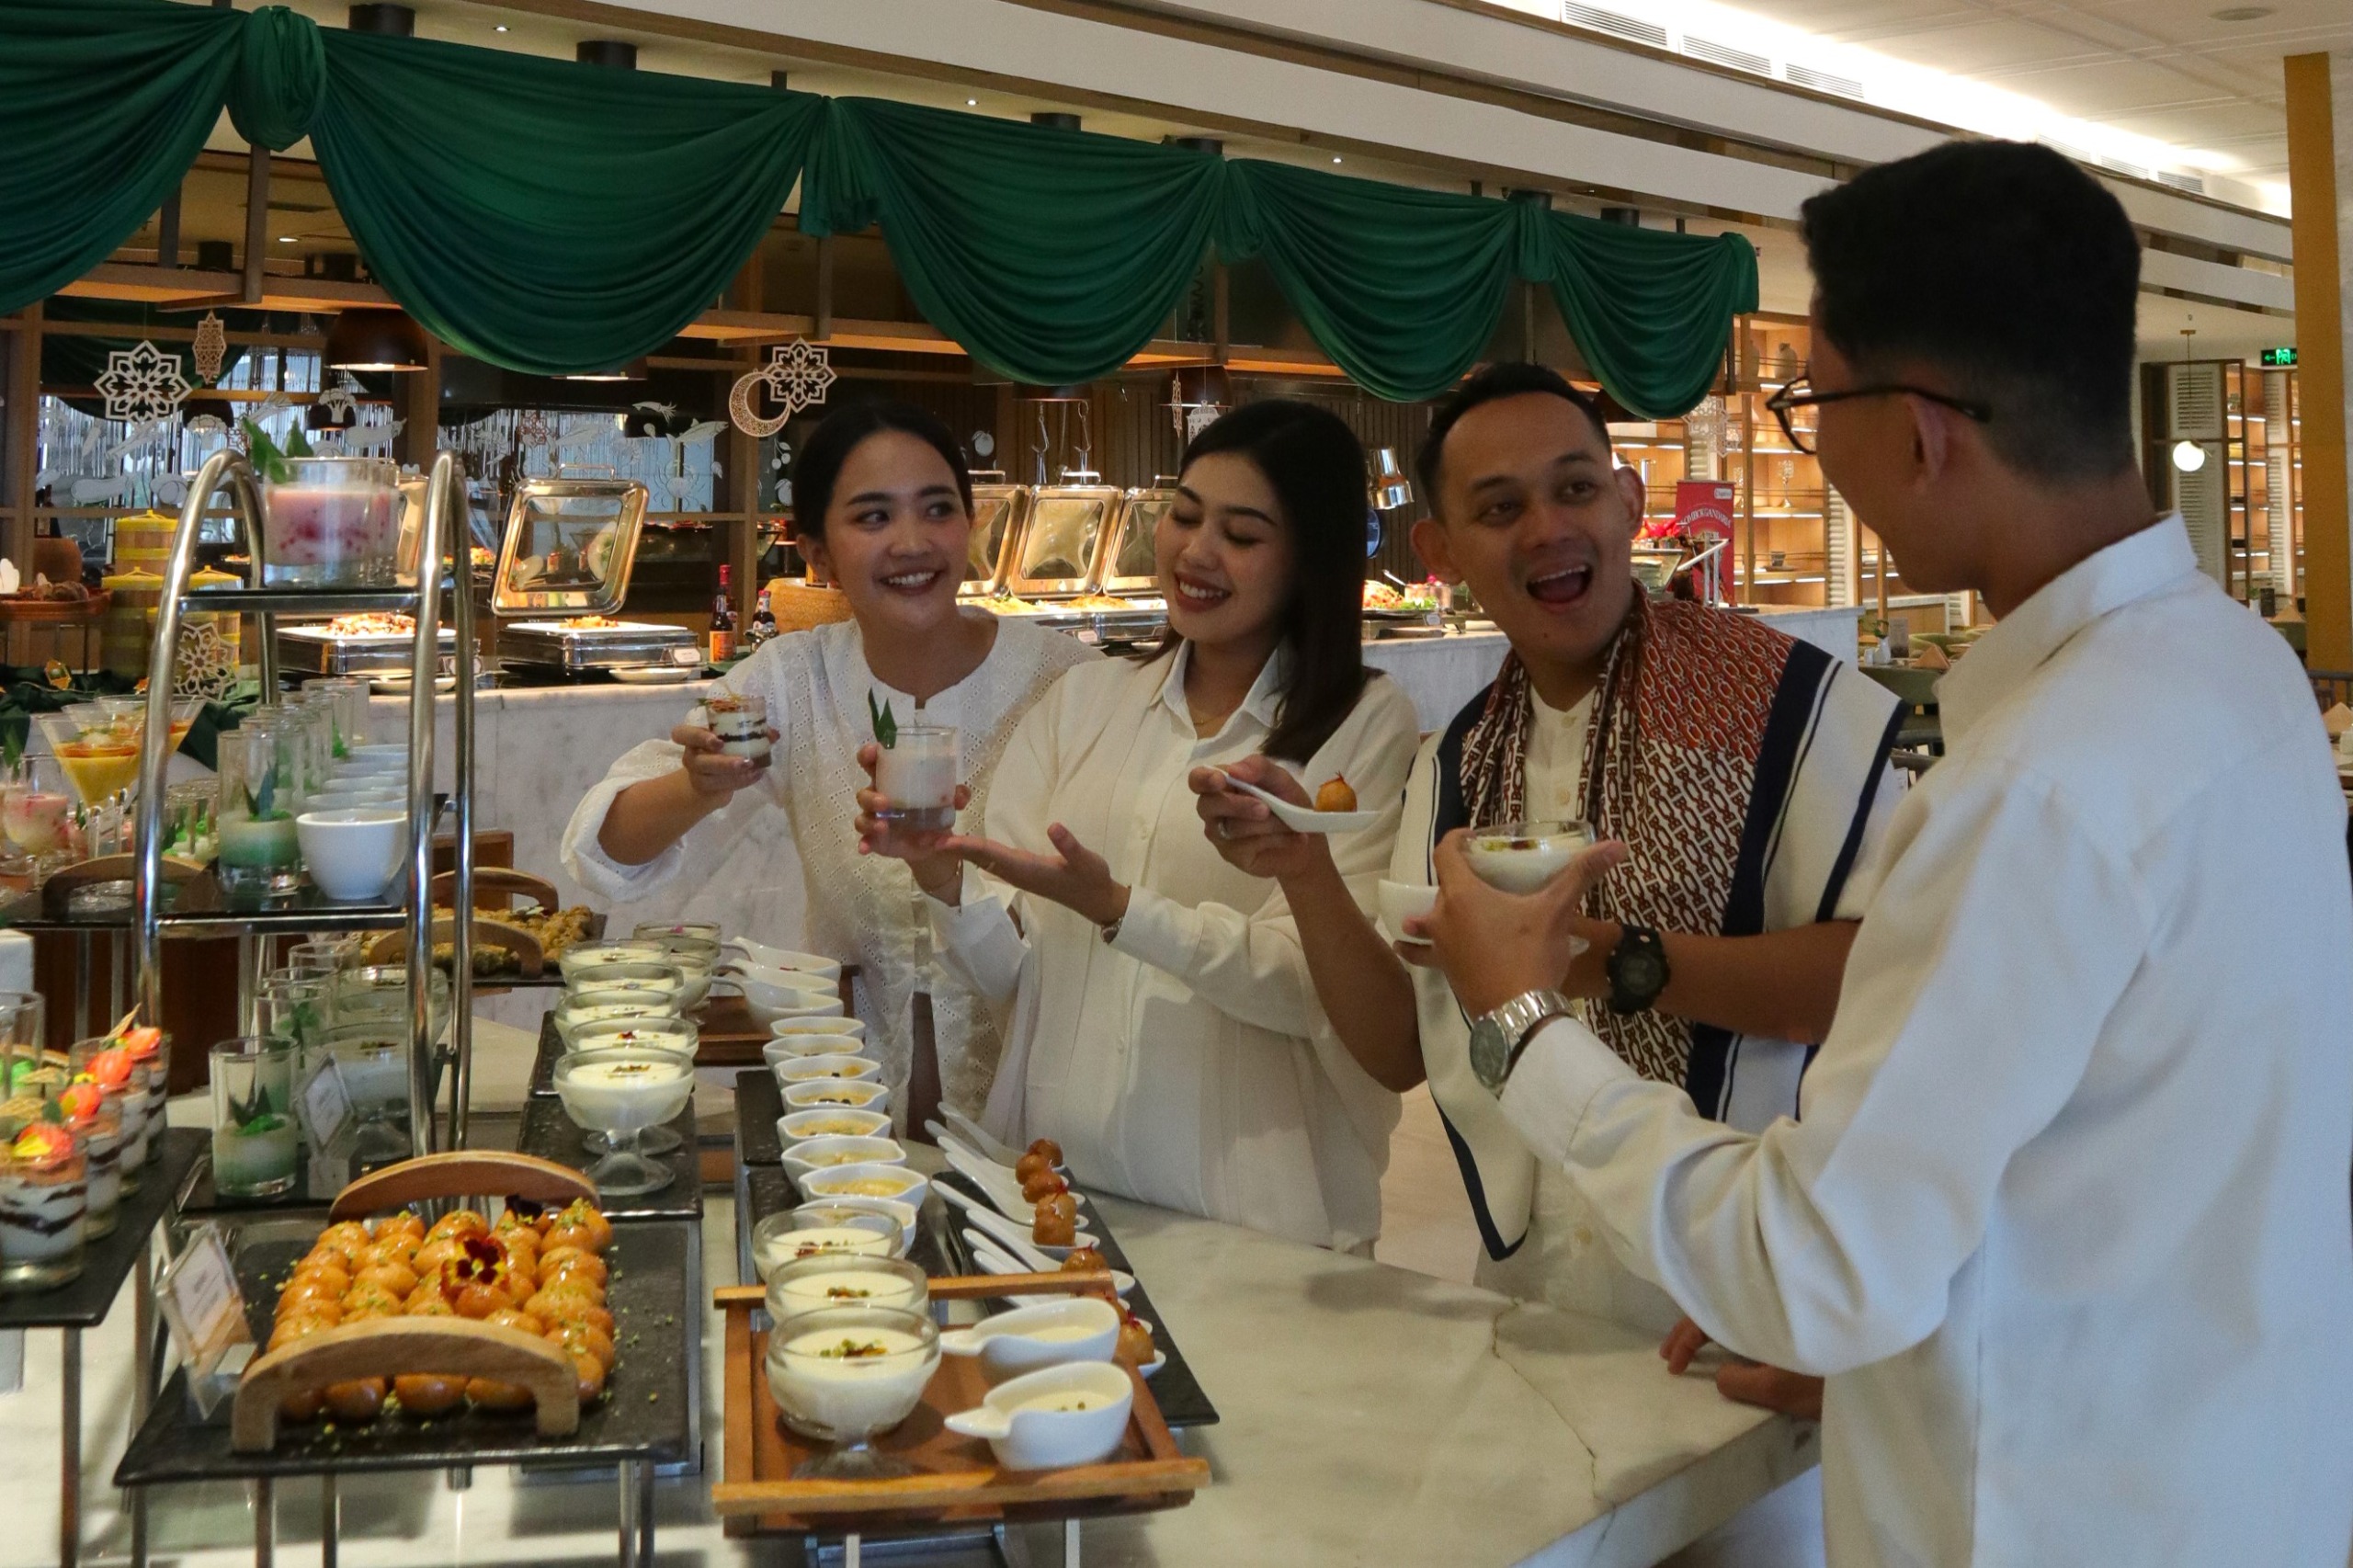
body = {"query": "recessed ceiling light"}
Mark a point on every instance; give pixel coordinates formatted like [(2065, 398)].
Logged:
[(2244, 13), (972, 103), (285, 239), (499, 28), (1335, 160)]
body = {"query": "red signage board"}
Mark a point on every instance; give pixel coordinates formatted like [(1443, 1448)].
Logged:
[(1704, 509)]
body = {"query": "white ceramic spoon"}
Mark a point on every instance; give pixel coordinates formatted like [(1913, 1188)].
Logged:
[(1012, 1232), (989, 1256), (980, 1138)]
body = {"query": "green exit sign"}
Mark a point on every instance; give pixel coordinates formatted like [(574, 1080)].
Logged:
[(2279, 356)]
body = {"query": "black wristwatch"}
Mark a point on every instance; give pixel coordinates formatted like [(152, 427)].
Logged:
[(1638, 969)]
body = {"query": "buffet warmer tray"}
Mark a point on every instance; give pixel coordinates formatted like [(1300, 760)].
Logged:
[(624, 644), (316, 649)]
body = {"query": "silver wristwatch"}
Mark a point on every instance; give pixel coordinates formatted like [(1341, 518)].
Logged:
[(1498, 1038)]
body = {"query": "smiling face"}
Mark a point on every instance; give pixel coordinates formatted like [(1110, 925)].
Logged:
[(1535, 517), (1225, 555), (895, 535)]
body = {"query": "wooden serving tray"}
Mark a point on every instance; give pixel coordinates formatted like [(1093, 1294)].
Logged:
[(956, 1478)]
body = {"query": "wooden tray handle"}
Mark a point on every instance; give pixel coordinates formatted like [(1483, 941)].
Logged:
[(384, 1347), (529, 960), (462, 1172), (499, 879)]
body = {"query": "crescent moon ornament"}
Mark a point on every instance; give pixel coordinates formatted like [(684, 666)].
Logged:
[(798, 375)]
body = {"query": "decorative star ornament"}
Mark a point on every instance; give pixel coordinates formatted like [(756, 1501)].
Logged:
[(210, 348), (797, 376), (141, 383)]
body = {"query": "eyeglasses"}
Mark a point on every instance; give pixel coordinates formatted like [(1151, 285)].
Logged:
[(1800, 394)]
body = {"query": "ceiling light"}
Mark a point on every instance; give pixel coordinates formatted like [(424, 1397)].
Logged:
[(2188, 455), (375, 340), (1335, 160), (2244, 13), (499, 28), (285, 239), (972, 103)]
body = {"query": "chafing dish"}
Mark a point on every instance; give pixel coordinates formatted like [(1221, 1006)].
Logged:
[(569, 547), (317, 648), (998, 511), (1054, 551), (619, 644), (1128, 562)]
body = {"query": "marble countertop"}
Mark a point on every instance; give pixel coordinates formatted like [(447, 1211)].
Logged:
[(1374, 1415)]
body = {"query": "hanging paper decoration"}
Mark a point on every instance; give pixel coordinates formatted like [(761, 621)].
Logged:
[(796, 375), (210, 348), (531, 430), (141, 383)]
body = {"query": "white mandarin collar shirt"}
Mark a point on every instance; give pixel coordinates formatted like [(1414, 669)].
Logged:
[(2064, 1220), (1188, 1063)]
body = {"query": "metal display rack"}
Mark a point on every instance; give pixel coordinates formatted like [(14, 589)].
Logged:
[(441, 542)]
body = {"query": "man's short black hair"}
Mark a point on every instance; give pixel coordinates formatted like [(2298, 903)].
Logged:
[(1508, 380), (2007, 268)]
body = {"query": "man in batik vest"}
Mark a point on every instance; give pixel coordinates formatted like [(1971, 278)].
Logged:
[(1745, 771)]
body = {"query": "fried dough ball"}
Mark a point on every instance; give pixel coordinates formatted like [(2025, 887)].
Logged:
[(568, 1264), (300, 1406), (401, 1223), (287, 1330), (489, 1395), (429, 1393), (428, 1302), (372, 1298), (520, 1320), (479, 1300), (1336, 794), (1135, 1343), (1050, 1149), (1052, 1230), (1043, 1185), (1084, 1260), (564, 1308), (457, 1225), (320, 1285), (360, 1400), (1065, 1204), (591, 1373), (1028, 1166), (582, 1214), (397, 1277), (399, 1249), (349, 1238), (582, 1339), (430, 1258)]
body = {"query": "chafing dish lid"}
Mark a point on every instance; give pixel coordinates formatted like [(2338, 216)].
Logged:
[(569, 547)]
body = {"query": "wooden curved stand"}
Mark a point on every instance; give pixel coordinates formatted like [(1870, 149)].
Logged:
[(462, 1172), (385, 1347), (488, 931), (501, 880)]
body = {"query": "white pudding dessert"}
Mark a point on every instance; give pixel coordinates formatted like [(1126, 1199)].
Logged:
[(1521, 857), (844, 1374), (623, 1091)]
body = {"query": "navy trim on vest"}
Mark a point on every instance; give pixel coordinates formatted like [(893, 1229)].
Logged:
[(1788, 728), (1478, 1195), (1835, 888)]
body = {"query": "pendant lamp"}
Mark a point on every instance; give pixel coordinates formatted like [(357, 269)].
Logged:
[(634, 371), (375, 340)]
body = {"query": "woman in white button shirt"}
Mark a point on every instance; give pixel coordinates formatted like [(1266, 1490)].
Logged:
[(884, 510), (1159, 1020)]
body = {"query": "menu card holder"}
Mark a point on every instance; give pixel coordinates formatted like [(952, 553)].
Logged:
[(206, 1314)]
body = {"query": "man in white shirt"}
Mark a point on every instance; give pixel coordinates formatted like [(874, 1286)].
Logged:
[(2064, 1221)]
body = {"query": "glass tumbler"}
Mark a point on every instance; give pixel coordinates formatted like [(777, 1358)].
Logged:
[(918, 774), (256, 1148), (260, 775), (331, 522)]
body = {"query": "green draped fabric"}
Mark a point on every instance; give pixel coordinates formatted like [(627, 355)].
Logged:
[(102, 106), (280, 80), (1051, 255), (1651, 310), (548, 216), (1401, 287)]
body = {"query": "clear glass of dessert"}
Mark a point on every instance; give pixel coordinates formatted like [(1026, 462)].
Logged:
[(740, 722), (96, 1122), (918, 774), (260, 766), (331, 522), (1521, 857), (622, 1092), (847, 1375), (108, 1067), (845, 1279), (821, 1231), (255, 1146)]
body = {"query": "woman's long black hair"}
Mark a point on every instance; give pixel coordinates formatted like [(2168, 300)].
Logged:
[(1316, 466), (818, 469)]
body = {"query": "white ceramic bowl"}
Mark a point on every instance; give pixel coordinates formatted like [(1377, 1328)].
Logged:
[(810, 1155), (805, 1069), (1521, 857), (895, 1182), (904, 1215), (769, 1003), (827, 1092), (353, 853), (1079, 1328), (1064, 1416), (783, 1028), (761, 953), (785, 1048), (830, 1122), (1401, 901)]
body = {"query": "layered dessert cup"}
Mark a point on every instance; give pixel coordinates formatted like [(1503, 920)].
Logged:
[(331, 522), (44, 1209)]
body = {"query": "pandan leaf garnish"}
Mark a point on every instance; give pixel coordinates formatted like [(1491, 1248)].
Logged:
[(268, 461), (886, 723)]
